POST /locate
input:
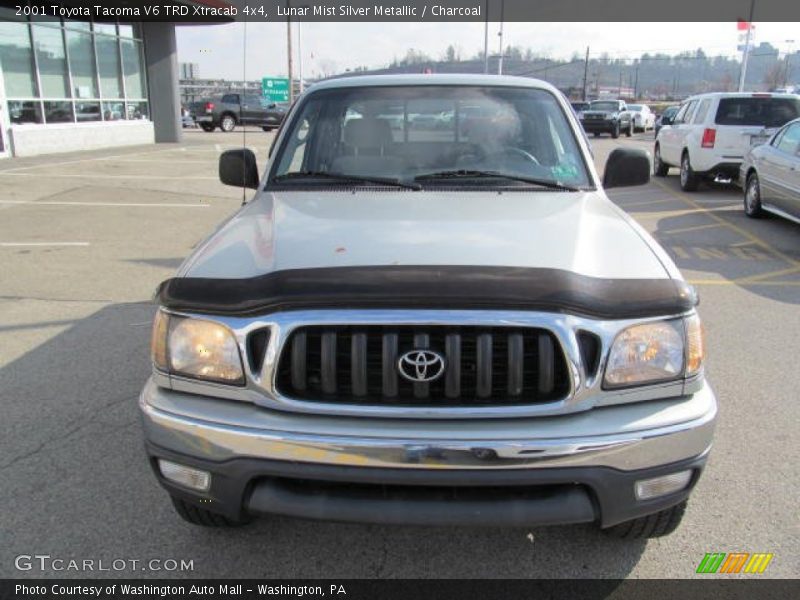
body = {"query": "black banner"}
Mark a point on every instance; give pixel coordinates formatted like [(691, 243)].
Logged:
[(402, 589), (197, 11)]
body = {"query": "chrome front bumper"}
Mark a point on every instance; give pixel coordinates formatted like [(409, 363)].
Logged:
[(624, 437)]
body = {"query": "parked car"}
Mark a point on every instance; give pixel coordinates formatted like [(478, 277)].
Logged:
[(770, 175), (643, 117), (711, 133), (226, 112), (382, 335), (665, 118), (607, 116)]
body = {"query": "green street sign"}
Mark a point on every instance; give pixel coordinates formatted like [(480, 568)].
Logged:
[(275, 89)]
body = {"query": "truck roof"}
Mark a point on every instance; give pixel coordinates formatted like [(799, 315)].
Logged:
[(437, 79)]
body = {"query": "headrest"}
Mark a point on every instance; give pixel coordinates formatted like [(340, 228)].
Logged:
[(367, 133)]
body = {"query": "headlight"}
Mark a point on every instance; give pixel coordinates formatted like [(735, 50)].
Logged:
[(196, 348), (646, 353)]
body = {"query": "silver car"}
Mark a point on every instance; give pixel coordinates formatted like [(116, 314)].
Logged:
[(770, 175), (447, 325)]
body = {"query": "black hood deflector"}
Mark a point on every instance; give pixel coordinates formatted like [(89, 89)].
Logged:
[(433, 287)]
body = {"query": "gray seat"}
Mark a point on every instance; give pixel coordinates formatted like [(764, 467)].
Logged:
[(368, 136)]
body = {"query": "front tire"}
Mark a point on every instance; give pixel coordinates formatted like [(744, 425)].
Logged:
[(651, 526), (267, 128), (660, 168), (200, 516), (227, 123), (752, 197), (207, 127), (689, 179), (629, 132), (615, 131)]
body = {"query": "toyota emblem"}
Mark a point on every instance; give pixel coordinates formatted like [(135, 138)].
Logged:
[(420, 366)]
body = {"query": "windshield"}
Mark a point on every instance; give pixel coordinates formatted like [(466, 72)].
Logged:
[(453, 135), (766, 112), (609, 106), (635, 107)]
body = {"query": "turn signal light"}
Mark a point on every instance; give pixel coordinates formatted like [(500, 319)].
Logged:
[(709, 138)]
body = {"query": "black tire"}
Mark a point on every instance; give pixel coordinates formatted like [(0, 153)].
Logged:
[(200, 516), (752, 197), (615, 131), (652, 526), (660, 168), (596, 134), (227, 122), (629, 132), (689, 179), (267, 128), (207, 127)]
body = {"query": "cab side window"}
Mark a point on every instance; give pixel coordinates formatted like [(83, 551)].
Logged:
[(679, 116), (230, 99)]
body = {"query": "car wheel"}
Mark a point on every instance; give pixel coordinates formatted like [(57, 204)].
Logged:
[(689, 179), (629, 132), (752, 197), (227, 123), (660, 168), (651, 526), (596, 134), (267, 128), (200, 516), (207, 127), (615, 131)]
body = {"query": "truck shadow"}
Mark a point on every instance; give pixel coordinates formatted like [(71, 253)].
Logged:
[(76, 484), (717, 244)]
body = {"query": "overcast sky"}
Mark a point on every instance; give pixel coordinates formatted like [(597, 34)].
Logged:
[(333, 47)]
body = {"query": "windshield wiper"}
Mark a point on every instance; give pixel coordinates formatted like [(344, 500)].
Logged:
[(344, 177), (468, 173)]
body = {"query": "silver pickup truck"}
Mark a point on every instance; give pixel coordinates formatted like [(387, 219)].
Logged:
[(430, 313)]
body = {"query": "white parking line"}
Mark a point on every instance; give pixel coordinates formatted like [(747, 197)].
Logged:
[(20, 244), (95, 176), (142, 204)]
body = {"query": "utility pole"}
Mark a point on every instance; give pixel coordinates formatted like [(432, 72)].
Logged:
[(289, 53), (486, 40), (300, 56), (500, 60), (585, 72), (636, 83), (619, 94), (746, 51)]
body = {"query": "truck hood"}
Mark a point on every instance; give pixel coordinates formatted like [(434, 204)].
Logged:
[(581, 232)]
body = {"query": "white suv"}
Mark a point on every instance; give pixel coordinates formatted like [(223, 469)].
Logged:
[(712, 132)]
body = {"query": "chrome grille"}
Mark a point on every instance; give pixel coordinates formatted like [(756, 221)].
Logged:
[(484, 365)]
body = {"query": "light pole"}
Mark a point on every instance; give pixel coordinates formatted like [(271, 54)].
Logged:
[(746, 51), (299, 57), (289, 53), (486, 40), (500, 60), (789, 44)]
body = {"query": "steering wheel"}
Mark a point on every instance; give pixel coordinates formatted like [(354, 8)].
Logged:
[(514, 151)]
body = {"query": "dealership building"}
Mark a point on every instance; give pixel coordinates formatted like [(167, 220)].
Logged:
[(68, 85)]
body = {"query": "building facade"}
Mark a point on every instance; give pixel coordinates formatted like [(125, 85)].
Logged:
[(70, 85)]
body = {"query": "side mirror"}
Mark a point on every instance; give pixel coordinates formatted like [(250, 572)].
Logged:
[(238, 168), (626, 167)]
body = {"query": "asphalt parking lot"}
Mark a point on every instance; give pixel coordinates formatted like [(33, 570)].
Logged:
[(84, 240)]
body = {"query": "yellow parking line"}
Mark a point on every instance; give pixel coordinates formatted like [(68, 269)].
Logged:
[(743, 232), (788, 271), (695, 228), (742, 283), (645, 203)]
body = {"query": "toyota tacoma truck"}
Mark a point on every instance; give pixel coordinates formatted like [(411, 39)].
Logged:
[(608, 116), (441, 326)]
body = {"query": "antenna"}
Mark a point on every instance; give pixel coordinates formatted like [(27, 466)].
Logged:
[(244, 91)]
